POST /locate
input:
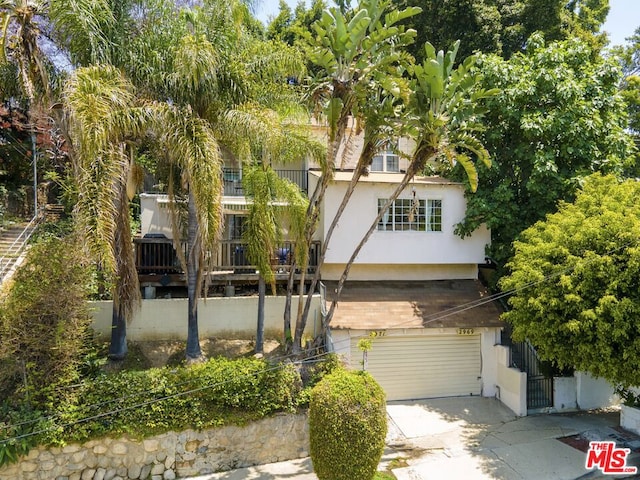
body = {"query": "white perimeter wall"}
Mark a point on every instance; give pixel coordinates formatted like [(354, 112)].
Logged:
[(400, 248), (512, 383), (166, 319), (594, 392)]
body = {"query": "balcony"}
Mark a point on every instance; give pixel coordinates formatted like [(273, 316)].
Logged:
[(233, 180), (157, 261)]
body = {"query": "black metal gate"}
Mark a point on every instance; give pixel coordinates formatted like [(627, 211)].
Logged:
[(539, 386)]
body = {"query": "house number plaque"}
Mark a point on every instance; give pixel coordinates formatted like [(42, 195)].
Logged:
[(465, 331), (377, 333)]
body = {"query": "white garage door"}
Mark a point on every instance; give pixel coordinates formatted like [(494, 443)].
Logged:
[(410, 367)]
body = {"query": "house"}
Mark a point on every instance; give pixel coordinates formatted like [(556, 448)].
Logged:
[(158, 263), (414, 285), (413, 289)]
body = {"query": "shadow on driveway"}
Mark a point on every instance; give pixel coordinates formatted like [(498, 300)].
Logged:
[(479, 438)]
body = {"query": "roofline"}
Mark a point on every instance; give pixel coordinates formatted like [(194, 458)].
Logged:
[(385, 177)]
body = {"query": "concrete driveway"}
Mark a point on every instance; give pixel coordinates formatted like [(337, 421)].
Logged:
[(468, 438), (479, 438)]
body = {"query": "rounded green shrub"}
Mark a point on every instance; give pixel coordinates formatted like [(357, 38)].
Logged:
[(347, 426)]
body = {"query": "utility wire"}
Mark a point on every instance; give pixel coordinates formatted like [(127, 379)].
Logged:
[(16, 144), (148, 402), (436, 316)]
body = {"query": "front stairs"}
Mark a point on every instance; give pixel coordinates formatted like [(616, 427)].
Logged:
[(12, 247)]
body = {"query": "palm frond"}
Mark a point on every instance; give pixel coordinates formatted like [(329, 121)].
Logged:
[(82, 26), (192, 145), (94, 97)]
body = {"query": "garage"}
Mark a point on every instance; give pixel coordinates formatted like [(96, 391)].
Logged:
[(423, 366), (430, 339)]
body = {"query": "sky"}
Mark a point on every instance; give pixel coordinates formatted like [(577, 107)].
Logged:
[(623, 18)]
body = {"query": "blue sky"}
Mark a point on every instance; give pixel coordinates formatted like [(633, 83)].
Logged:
[(623, 19)]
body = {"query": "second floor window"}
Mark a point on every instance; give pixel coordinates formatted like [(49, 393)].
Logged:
[(386, 161), (411, 214)]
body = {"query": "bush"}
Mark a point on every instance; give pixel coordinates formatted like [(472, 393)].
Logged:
[(348, 425), (44, 321), (140, 403)]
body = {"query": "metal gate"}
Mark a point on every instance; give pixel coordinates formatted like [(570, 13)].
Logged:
[(539, 386)]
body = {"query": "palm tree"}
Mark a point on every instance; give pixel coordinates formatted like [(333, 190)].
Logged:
[(212, 76), (101, 119), (20, 32), (193, 148), (360, 57), (444, 113), (273, 130), (275, 202)]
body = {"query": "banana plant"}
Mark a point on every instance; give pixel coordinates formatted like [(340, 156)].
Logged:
[(446, 108), (348, 51), (443, 118), (358, 54)]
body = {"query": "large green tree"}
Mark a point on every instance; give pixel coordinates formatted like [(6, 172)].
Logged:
[(630, 87), (558, 118), (292, 27), (503, 26), (575, 282)]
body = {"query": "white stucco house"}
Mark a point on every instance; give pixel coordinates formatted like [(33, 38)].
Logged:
[(413, 288)]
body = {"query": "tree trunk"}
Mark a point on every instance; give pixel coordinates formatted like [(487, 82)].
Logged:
[(422, 154), (118, 345), (312, 221), (126, 292), (312, 218), (193, 256), (363, 163), (288, 338), (260, 330), (300, 322)]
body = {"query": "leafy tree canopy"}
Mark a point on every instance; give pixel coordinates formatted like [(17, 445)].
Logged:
[(290, 26), (503, 26), (629, 56), (559, 117), (576, 282)]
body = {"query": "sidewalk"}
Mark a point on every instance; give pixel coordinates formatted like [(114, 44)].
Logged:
[(473, 438)]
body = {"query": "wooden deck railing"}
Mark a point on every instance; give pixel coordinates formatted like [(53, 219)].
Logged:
[(157, 255)]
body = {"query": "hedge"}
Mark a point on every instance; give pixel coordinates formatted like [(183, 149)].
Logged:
[(347, 426), (141, 403)]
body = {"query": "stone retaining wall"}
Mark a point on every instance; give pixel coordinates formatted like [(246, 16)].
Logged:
[(170, 455)]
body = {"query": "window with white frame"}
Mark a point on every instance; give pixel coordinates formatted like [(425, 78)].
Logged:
[(411, 214), (386, 161)]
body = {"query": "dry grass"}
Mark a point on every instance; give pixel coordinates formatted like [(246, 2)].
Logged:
[(172, 352)]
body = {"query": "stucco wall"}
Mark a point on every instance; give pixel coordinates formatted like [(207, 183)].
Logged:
[(154, 215), (400, 248), (512, 383), (407, 273), (166, 319), (564, 393), (594, 392), (489, 338)]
